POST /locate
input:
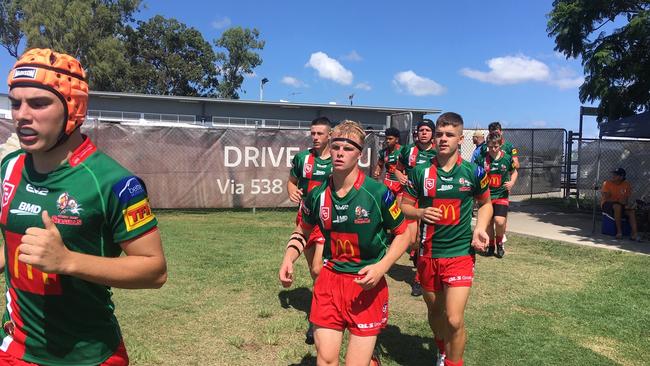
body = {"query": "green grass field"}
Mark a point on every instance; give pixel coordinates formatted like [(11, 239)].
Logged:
[(545, 303)]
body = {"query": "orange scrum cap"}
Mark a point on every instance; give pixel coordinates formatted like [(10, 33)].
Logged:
[(59, 73)]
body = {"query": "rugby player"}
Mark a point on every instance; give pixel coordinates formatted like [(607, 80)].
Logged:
[(445, 192), (309, 169), (502, 173), (388, 158), (354, 213), (67, 213)]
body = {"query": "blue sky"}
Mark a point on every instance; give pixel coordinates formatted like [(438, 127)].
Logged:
[(487, 60)]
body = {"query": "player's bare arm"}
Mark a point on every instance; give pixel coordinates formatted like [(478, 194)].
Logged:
[(144, 265), (295, 193), (401, 177), (376, 172), (375, 272), (429, 215), (513, 179), (2, 257), (295, 247), (480, 238)]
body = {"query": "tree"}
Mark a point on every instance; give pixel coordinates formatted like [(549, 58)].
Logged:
[(87, 29), (240, 59), (10, 32), (616, 63), (166, 57)]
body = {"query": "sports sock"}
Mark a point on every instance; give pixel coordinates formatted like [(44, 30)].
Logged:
[(499, 240), (450, 363)]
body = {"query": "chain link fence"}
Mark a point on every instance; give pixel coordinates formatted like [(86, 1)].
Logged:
[(541, 159), (597, 158)]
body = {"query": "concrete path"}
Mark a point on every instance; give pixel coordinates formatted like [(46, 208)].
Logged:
[(544, 222)]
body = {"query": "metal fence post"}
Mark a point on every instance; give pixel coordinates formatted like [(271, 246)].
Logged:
[(532, 163)]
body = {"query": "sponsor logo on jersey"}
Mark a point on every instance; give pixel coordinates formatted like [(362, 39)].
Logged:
[(308, 168), (25, 208), (394, 210), (319, 172), (324, 213), (429, 183), (37, 190), (7, 191), (345, 247), (322, 166), (67, 204), (485, 181), (445, 187), (342, 207), (421, 162), (25, 73), (340, 219), (361, 215), (128, 188), (138, 215), (514, 151), (448, 179), (450, 211)]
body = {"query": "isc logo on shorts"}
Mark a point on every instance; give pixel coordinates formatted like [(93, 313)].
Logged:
[(137, 215)]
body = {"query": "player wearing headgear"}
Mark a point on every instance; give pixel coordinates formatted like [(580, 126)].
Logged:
[(353, 213), (67, 213)]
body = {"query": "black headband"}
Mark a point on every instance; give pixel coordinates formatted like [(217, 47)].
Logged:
[(351, 142)]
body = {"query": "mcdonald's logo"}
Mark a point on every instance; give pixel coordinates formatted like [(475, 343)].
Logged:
[(25, 277), (495, 180), (450, 211), (345, 247), (394, 210), (484, 181)]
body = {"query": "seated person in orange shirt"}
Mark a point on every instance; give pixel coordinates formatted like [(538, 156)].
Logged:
[(615, 197)]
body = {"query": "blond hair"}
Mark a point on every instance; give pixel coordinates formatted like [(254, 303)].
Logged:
[(347, 129)]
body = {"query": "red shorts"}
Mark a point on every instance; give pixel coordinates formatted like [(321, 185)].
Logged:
[(394, 186), (119, 358), (339, 303), (453, 272), (316, 237)]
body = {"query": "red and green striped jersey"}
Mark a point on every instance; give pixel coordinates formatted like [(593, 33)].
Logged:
[(507, 147), (411, 156), (310, 170), (96, 204), (354, 226), (499, 171), (390, 159), (453, 193)]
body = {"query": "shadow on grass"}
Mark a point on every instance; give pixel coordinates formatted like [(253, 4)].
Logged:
[(297, 298), (402, 273), (307, 360), (406, 349)]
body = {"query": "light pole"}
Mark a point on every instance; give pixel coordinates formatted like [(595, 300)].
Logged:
[(351, 97), (262, 82)]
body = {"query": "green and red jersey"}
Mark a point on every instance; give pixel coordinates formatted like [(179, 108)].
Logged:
[(411, 156), (390, 159), (354, 226), (310, 170), (96, 204), (453, 193), (499, 171), (507, 147)]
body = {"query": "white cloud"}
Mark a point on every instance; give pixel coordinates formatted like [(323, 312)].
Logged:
[(291, 81), (352, 56), (329, 68), (509, 70), (220, 23), (251, 75), (417, 85), (363, 86)]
